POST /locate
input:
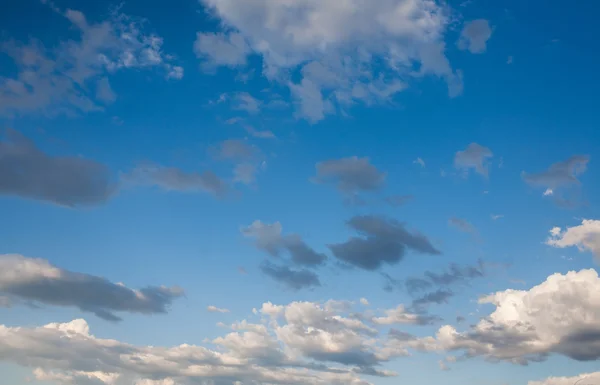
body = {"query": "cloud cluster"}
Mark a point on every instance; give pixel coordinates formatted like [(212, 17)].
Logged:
[(559, 316), (335, 46), (586, 237), (73, 77), (383, 241), (36, 280), (299, 343)]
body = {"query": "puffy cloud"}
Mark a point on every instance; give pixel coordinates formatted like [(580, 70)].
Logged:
[(352, 176), (60, 80), (559, 316), (475, 35), (175, 179), (28, 172), (335, 46), (270, 239), (37, 280), (560, 174), (586, 237), (473, 157), (582, 379), (314, 343), (385, 241)]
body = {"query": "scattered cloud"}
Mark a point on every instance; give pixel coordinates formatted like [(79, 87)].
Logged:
[(71, 78), (474, 157), (398, 200), (586, 237), (28, 172), (37, 280), (175, 179), (338, 67), (270, 238), (420, 162), (214, 309), (384, 241), (475, 35), (351, 176)]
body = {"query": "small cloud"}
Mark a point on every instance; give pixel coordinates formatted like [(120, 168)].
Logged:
[(420, 162), (475, 35), (364, 301), (548, 192), (242, 270), (496, 217), (398, 200), (474, 157), (462, 225), (509, 60), (214, 309)]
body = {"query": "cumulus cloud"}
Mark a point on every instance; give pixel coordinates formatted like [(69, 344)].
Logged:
[(175, 179), (474, 157), (558, 175), (71, 78), (384, 241), (586, 237), (314, 343), (475, 35), (270, 238), (335, 47), (520, 330), (351, 176), (28, 172), (38, 281)]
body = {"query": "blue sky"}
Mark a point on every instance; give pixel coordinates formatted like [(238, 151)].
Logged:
[(305, 192)]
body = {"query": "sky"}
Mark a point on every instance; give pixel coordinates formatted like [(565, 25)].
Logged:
[(299, 192)]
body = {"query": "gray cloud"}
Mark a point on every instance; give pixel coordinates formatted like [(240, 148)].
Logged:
[(384, 241), (270, 239), (292, 278), (37, 280), (351, 175), (234, 150), (559, 174), (462, 225), (473, 157), (27, 172), (475, 35), (437, 297), (175, 179), (398, 200)]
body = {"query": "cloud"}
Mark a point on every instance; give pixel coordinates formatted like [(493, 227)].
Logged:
[(37, 280), (401, 316), (175, 179), (561, 174), (586, 237), (475, 35), (27, 172), (398, 200), (495, 217), (270, 239), (295, 279), (351, 175), (61, 80), (385, 241), (420, 162), (334, 47), (520, 331), (462, 225), (473, 157), (214, 309), (582, 379), (247, 159), (301, 343)]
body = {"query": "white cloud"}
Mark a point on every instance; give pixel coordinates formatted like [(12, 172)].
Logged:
[(559, 316), (304, 343), (420, 162), (586, 237), (582, 379), (56, 81), (346, 51), (214, 309)]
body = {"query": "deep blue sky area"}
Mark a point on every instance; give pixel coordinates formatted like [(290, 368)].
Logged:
[(229, 192)]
